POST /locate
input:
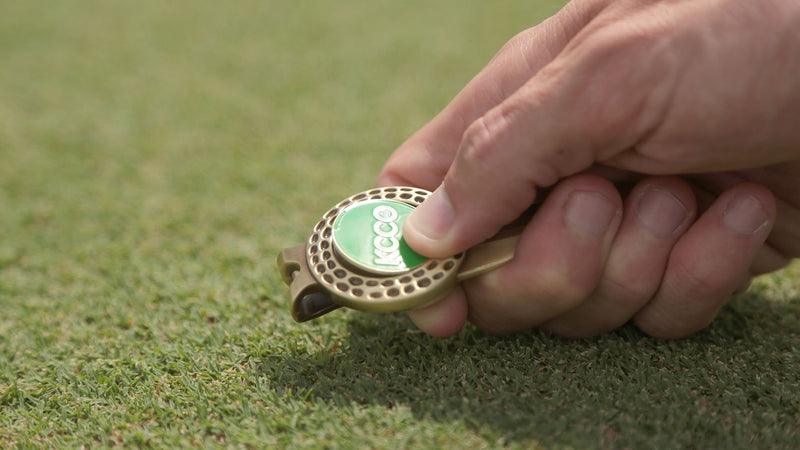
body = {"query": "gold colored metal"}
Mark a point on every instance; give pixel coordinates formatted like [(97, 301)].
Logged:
[(487, 256), (320, 281)]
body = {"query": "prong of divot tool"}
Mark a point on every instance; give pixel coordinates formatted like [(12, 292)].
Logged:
[(487, 256)]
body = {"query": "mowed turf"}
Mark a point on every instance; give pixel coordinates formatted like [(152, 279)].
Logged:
[(154, 158)]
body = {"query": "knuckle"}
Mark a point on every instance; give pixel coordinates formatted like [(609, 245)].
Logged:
[(564, 289), (689, 299), (518, 42), (629, 292), (518, 303), (489, 151), (483, 137), (701, 280), (476, 142), (527, 47)]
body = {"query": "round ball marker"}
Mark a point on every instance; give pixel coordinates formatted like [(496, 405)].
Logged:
[(369, 236), (356, 257)]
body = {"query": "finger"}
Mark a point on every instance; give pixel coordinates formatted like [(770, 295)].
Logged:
[(710, 262), (558, 261), (443, 318), (782, 243), (767, 258), (657, 212), (425, 157), (586, 106)]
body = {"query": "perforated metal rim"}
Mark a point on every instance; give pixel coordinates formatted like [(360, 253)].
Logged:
[(378, 293)]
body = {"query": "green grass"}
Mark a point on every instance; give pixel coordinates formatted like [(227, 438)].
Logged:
[(154, 158)]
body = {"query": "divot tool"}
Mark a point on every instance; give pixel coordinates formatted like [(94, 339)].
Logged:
[(356, 257)]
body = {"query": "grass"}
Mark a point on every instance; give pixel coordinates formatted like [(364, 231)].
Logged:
[(155, 157)]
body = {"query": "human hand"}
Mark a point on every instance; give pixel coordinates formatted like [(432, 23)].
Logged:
[(704, 89)]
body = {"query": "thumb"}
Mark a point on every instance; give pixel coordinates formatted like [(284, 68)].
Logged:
[(493, 179), (586, 106)]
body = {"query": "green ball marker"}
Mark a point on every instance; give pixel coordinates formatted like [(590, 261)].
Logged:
[(356, 257), (369, 236)]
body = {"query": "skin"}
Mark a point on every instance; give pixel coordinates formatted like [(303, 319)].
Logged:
[(669, 133)]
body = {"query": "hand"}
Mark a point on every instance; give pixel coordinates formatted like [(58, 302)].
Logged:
[(707, 90)]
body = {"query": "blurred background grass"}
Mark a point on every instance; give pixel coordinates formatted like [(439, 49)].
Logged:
[(154, 158)]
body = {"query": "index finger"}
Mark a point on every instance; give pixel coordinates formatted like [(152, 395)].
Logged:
[(424, 159)]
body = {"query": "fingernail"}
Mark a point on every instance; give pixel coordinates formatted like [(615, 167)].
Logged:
[(589, 212), (744, 214), (660, 212), (434, 218)]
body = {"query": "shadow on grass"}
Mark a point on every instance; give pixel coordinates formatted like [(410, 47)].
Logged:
[(736, 380)]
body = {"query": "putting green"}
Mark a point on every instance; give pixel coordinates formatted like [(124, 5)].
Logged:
[(154, 158)]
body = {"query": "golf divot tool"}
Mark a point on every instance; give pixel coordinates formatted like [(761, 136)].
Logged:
[(356, 257)]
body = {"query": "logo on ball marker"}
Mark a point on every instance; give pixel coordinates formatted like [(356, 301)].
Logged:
[(369, 236), (387, 241)]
